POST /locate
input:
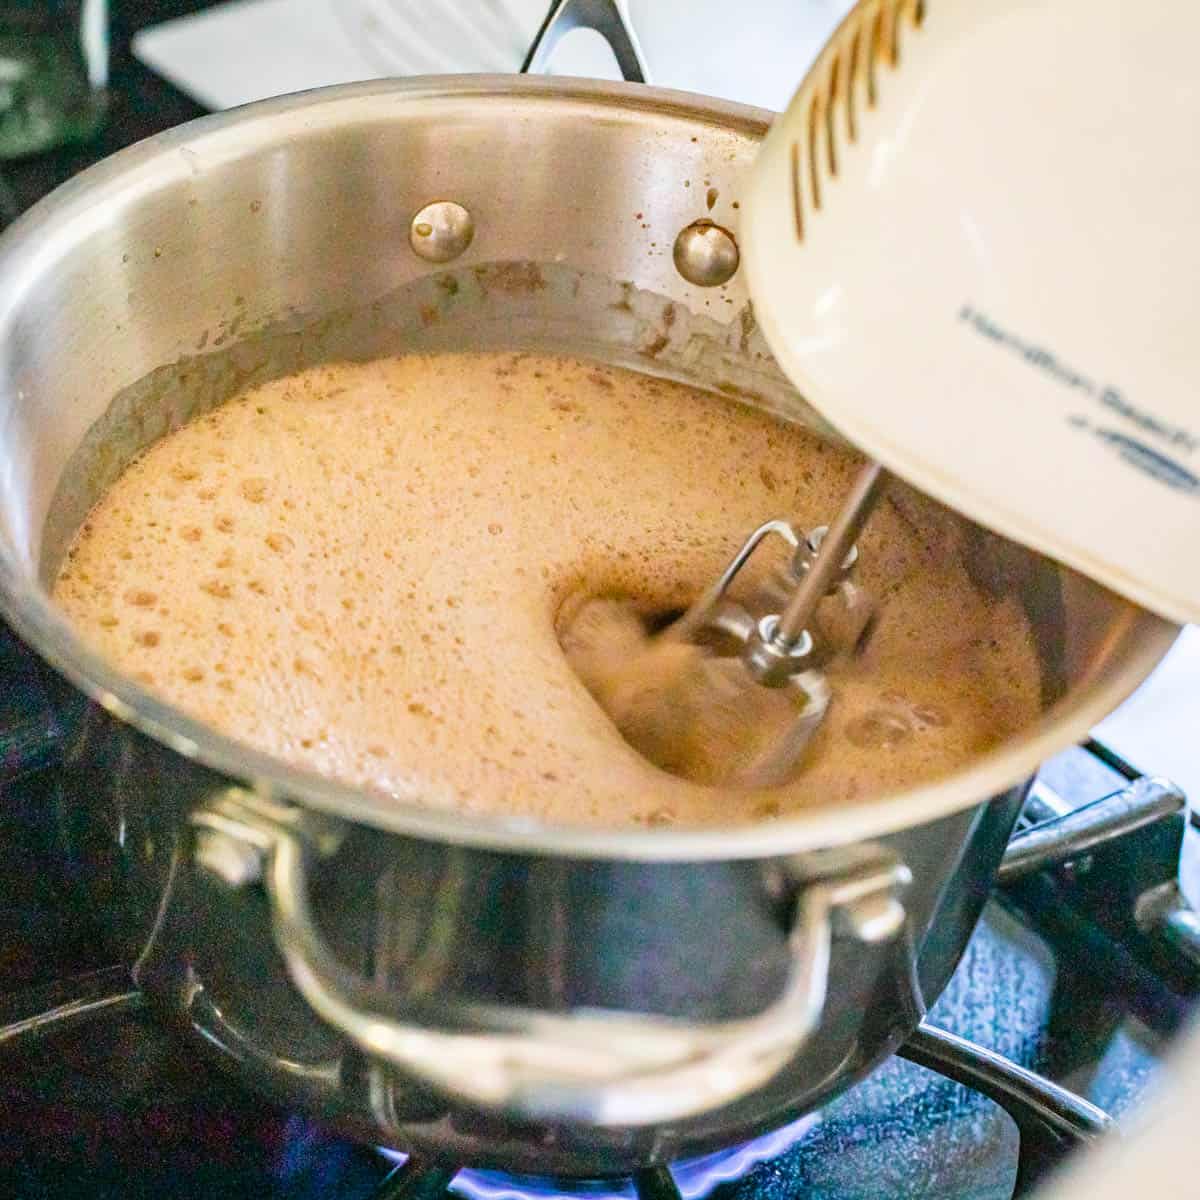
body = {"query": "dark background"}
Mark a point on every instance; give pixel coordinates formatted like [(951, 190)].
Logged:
[(140, 104)]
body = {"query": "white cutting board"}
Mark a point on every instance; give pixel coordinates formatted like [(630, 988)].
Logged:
[(993, 286)]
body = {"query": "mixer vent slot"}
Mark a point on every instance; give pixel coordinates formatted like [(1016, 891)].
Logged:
[(841, 88)]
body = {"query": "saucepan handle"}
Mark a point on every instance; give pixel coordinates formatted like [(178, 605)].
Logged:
[(591, 1066), (609, 18)]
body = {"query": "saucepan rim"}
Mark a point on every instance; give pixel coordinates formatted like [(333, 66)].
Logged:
[(1140, 637)]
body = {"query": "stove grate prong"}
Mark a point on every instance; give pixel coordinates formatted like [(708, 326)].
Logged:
[(415, 1180), (1051, 1120), (656, 1183)]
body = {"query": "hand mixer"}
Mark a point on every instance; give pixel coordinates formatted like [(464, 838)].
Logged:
[(971, 243), (777, 648)]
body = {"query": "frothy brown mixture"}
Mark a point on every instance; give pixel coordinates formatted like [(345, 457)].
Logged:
[(359, 569)]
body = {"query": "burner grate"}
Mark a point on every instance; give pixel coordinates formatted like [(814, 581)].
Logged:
[(1051, 1120), (412, 1180)]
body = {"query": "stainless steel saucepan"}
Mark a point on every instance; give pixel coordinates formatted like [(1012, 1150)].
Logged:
[(568, 1000)]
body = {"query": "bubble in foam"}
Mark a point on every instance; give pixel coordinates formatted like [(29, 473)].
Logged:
[(931, 715), (878, 729)]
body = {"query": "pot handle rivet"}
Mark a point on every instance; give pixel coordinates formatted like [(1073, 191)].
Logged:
[(706, 254), (441, 231), (872, 920), (230, 859)]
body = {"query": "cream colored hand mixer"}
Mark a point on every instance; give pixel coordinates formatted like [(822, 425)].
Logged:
[(972, 244)]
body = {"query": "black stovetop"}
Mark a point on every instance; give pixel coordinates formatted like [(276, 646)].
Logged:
[(113, 1106)]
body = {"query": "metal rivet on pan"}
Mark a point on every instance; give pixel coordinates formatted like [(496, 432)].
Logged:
[(706, 254), (441, 231)]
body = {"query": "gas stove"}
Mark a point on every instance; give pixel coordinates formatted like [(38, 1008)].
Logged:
[(1086, 963), (1084, 967)]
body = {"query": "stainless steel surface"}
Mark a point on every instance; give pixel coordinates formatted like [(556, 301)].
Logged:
[(777, 648), (1180, 925), (813, 541), (712, 610), (1044, 804), (1071, 836), (706, 254), (441, 231), (599, 1068), (829, 562), (111, 289), (702, 609), (860, 608), (49, 1009), (780, 761), (609, 18), (462, 944), (1118, 866)]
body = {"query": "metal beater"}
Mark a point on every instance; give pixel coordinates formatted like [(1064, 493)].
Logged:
[(778, 649)]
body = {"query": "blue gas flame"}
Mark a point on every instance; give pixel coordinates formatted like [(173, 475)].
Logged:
[(694, 1177)]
